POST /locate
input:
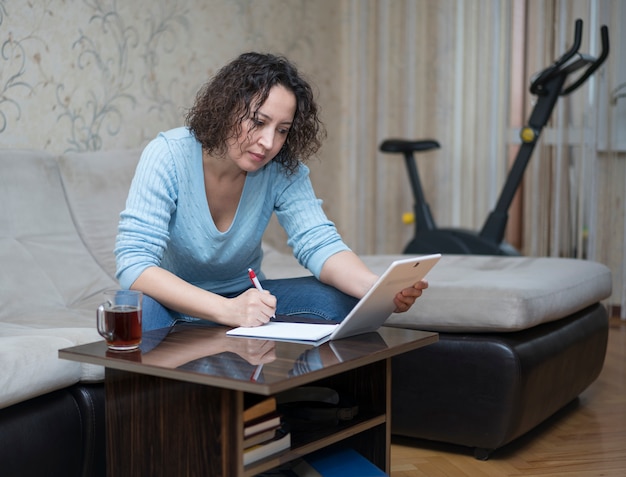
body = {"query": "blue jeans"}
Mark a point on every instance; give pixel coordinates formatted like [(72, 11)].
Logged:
[(306, 297)]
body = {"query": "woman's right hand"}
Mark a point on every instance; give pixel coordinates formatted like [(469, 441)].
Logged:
[(253, 308)]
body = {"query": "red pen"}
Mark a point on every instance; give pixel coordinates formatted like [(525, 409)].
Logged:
[(257, 284), (255, 281)]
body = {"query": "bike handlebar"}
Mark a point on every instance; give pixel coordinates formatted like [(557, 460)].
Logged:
[(559, 67), (604, 32)]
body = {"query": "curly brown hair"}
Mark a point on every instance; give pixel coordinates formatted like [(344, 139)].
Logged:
[(236, 93)]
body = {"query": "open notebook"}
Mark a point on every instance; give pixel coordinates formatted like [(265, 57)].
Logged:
[(367, 315)]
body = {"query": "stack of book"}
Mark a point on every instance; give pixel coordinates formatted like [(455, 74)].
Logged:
[(264, 433)]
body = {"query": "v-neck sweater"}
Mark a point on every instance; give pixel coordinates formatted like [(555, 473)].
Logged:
[(167, 221)]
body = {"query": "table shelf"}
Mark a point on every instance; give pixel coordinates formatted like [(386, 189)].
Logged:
[(302, 447)]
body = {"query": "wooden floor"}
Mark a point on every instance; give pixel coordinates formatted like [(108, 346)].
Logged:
[(588, 438)]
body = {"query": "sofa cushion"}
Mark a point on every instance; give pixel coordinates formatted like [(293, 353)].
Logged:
[(475, 293), (28, 370), (497, 294), (50, 284), (96, 185), (45, 265), (29, 357)]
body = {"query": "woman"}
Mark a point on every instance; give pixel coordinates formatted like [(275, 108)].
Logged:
[(203, 195)]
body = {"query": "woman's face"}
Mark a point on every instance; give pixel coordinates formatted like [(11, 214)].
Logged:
[(264, 134)]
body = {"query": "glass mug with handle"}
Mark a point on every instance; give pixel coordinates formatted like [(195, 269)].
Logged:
[(119, 319)]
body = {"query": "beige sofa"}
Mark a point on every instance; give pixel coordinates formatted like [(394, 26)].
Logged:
[(58, 224)]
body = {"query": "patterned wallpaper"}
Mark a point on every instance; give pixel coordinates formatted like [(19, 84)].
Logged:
[(80, 75)]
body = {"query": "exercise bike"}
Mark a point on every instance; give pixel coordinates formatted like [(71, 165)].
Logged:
[(548, 85)]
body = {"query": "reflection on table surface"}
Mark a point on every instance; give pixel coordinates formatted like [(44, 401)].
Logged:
[(204, 354), (208, 350)]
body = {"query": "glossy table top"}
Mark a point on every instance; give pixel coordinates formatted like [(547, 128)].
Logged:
[(206, 355)]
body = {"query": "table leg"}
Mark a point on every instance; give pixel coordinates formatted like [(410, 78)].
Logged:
[(163, 427)]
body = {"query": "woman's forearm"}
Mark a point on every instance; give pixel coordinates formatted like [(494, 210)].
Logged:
[(347, 272), (179, 295), (251, 308)]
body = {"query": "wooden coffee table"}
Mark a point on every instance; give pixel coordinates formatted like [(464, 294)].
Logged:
[(175, 406)]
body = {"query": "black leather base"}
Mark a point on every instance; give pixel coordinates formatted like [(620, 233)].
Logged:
[(90, 401), (59, 434), (485, 390)]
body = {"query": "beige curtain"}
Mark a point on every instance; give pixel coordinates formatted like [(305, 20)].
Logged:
[(423, 69), (458, 71), (574, 193)]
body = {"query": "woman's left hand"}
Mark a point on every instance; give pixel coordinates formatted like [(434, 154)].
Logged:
[(404, 300)]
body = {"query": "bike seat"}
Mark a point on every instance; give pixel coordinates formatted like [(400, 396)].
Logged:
[(405, 146)]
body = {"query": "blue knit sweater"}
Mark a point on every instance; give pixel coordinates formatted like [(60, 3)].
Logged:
[(167, 221)]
